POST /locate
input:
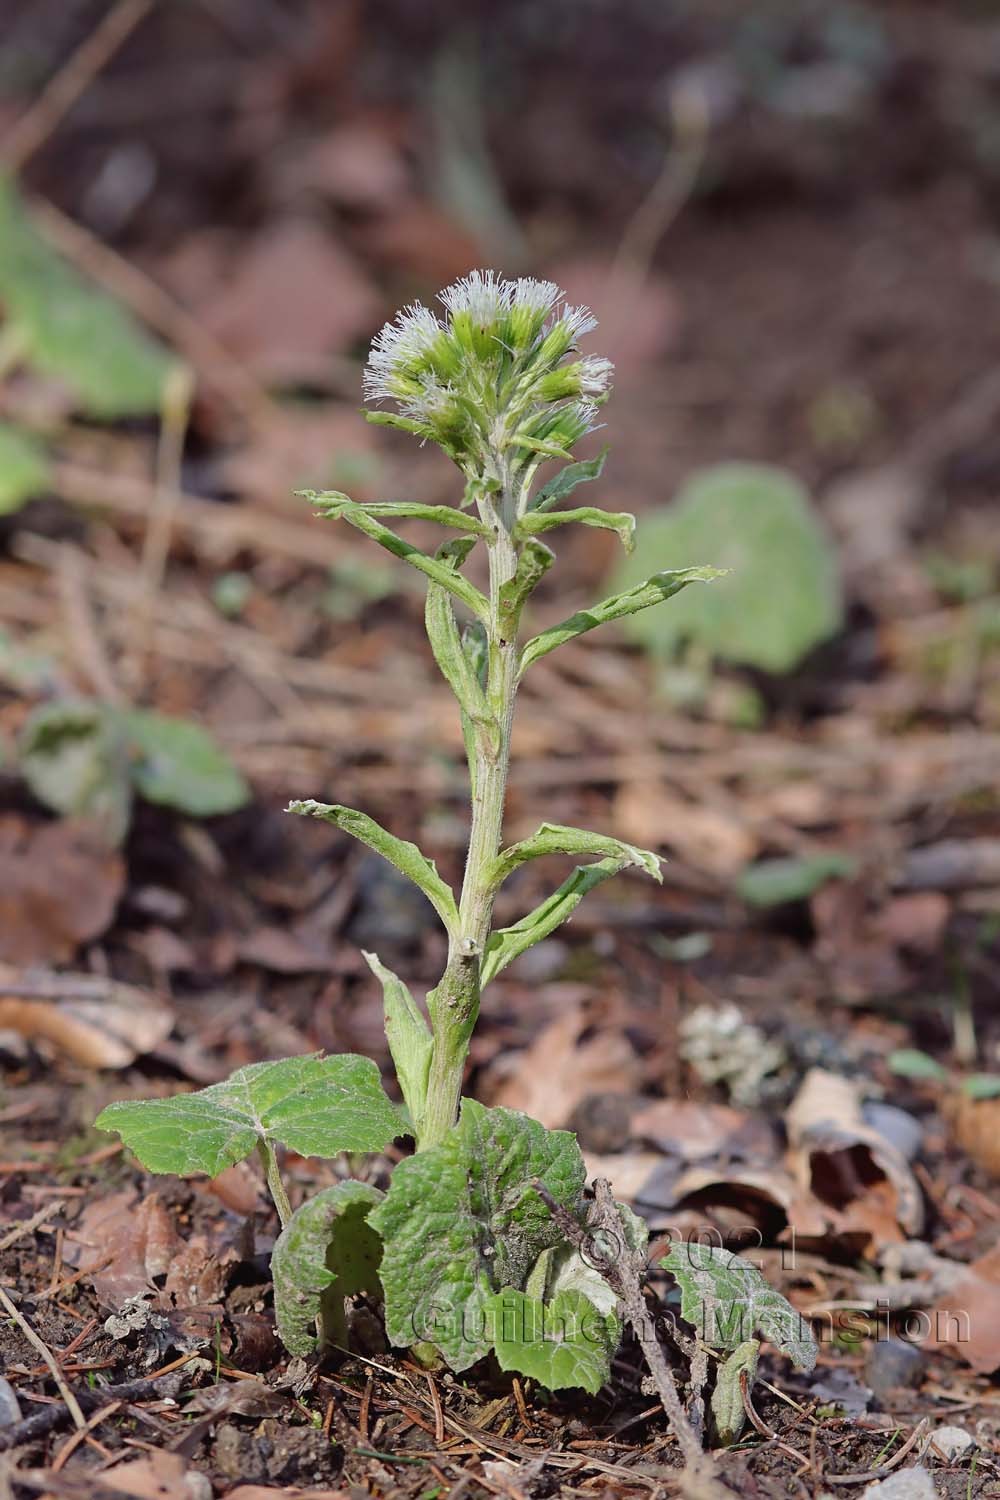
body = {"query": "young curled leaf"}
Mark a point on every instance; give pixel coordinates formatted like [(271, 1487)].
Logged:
[(587, 515), (563, 1343), (507, 943), (729, 1301), (566, 481), (553, 838), (728, 1407), (535, 561), (327, 1251), (661, 586), (317, 1106), (399, 852), (408, 1035), (342, 508), (334, 504)]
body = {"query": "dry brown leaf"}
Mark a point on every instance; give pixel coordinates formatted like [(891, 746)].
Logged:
[(916, 921), (766, 1195), (293, 295), (284, 952), (693, 1131), (238, 1188), (59, 888), (107, 1032), (707, 839), (628, 1171), (127, 1245), (158, 1476), (966, 1321), (846, 1163), (549, 1080), (268, 1492), (197, 1275)]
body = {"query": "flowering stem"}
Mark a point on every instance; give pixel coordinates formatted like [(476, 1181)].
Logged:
[(454, 1004)]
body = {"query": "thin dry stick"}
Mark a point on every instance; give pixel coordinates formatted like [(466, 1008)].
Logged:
[(73, 79), (30, 1225), (81, 626), (174, 418), (72, 1405), (699, 1480), (217, 367)]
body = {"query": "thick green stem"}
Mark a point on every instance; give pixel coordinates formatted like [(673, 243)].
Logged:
[(454, 1004)]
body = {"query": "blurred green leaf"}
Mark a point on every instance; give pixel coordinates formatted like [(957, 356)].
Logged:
[(910, 1062), (177, 764), (981, 1086), (74, 760), (776, 882), (782, 597), (70, 329), (24, 469)]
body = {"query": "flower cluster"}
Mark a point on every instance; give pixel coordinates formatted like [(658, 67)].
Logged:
[(493, 380)]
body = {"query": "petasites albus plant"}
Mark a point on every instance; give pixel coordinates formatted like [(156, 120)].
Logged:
[(467, 1254)]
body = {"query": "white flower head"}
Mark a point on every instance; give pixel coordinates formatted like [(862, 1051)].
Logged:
[(595, 376), (397, 350), (482, 295)]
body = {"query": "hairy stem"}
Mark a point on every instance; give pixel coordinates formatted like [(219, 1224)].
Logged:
[(454, 1004), (275, 1186)]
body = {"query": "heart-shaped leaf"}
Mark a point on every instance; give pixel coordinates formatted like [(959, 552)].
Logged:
[(461, 1221), (177, 764), (317, 1106), (327, 1251), (782, 596)]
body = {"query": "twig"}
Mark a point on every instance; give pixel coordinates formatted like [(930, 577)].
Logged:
[(757, 1421), (72, 1443), (73, 78), (883, 1469), (51, 1418), (174, 416), (72, 1405), (699, 1480), (81, 626), (30, 1225), (216, 366)]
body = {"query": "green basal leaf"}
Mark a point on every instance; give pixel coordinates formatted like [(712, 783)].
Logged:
[(326, 1252), (562, 1344), (621, 522), (177, 764), (348, 510), (784, 595), (777, 882), (507, 943), (728, 1408), (74, 759), (317, 1106), (335, 504), (399, 852), (652, 591), (566, 481), (728, 1301), (534, 562), (408, 1035), (24, 469), (553, 838), (461, 1221), (69, 329)]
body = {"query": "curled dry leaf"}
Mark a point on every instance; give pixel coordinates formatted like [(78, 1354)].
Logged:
[(966, 1321), (848, 1164), (698, 1132), (558, 1070), (127, 1244), (98, 1023), (59, 888)]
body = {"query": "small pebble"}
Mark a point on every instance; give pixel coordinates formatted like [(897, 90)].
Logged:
[(10, 1411), (906, 1484), (891, 1364), (952, 1442)]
